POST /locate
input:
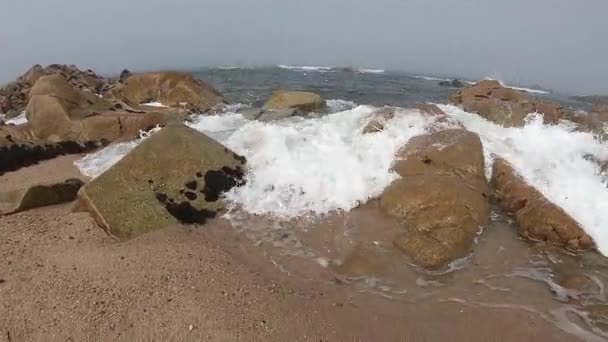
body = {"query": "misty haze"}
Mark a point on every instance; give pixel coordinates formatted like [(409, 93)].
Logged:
[(265, 170), (556, 44)]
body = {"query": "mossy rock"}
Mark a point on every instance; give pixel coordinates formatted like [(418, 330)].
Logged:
[(177, 175)]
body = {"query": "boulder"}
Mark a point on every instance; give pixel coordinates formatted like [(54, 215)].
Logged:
[(79, 104), (58, 112), (505, 106), (537, 218), (142, 192), (452, 84), (121, 126), (172, 89), (124, 75), (306, 101), (441, 196), (39, 195)]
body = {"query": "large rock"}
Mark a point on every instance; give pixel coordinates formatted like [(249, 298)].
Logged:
[(452, 84), (303, 100), (172, 89), (39, 195), (58, 112), (536, 216), (442, 196), (505, 106), (177, 175)]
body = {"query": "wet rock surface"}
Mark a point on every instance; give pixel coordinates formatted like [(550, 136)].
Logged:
[(441, 197), (537, 217)]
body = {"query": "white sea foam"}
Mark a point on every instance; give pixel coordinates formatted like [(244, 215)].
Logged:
[(314, 166), (301, 166), (552, 159), (371, 71), (527, 90), (337, 105), (305, 68), (94, 164), (154, 104), (18, 120), (430, 78)]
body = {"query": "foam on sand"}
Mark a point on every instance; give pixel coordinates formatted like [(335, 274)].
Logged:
[(552, 158), (94, 164)]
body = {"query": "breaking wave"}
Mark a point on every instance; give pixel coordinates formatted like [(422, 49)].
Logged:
[(300, 166)]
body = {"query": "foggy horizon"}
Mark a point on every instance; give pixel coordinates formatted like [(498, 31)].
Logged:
[(555, 44)]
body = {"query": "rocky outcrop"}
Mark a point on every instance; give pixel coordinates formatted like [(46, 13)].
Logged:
[(509, 108), (15, 95), (58, 112), (39, 195), (441, 196), (303, 100), (536, 216), (142, 192), (172, 89)]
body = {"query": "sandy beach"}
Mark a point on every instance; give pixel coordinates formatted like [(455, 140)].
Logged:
[(64, 279)]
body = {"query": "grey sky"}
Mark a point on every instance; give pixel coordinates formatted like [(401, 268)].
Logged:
[(560, 44)]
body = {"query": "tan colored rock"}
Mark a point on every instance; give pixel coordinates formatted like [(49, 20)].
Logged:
[(172, 89), (442, 196), (79, 104), (50, 119), (39, 195), (142, 192), (378, 119), (505, 106), (303, 100), (536, 216), (431, 109), (120, 126)]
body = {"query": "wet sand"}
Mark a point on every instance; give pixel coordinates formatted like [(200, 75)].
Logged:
[(253, 279)]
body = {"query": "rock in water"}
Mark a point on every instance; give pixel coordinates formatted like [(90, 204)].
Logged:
[(177, 175), (39, 195), (452, 84), (536, 216), (172, 89), (442, 196), (303, 100)]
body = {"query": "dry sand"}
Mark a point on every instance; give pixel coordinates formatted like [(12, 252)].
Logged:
[(63, 279)]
